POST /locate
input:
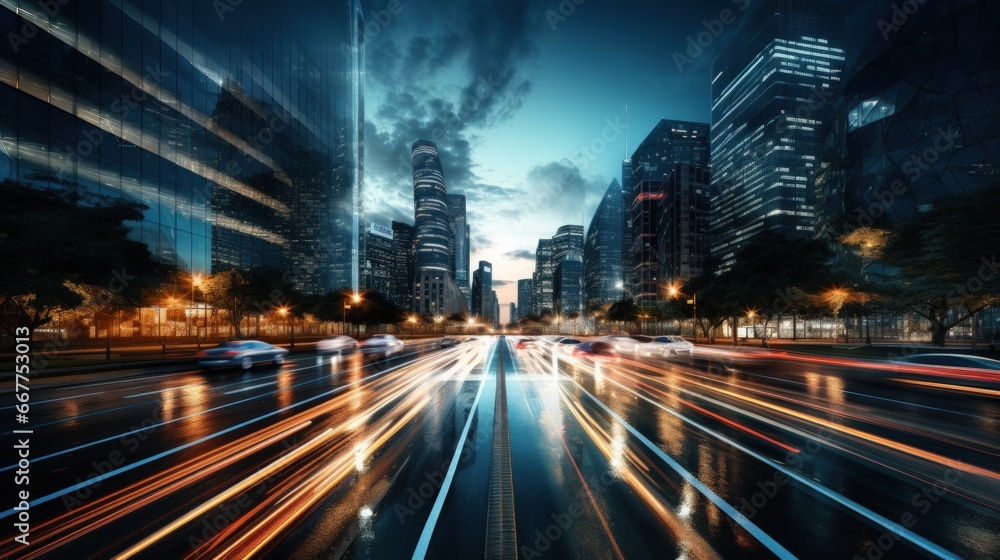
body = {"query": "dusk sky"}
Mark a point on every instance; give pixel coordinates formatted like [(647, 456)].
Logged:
[(511, 91)]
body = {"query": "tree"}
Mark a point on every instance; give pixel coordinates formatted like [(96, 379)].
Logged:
[(946, 258), (67, 247), (229, 291)]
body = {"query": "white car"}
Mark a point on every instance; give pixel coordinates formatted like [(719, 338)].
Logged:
[(382, 344), (242, 353), (566, 344), (634, 344), (669, 345), (337, 345)]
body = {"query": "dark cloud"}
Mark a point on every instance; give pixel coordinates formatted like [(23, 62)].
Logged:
[(443, 78), (501, 283), (520, 254)]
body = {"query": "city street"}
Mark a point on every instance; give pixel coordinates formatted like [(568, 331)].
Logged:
[(726, 454)]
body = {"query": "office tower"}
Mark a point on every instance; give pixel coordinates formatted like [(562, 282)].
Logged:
[(602, 249), (684, 229), (543, 277), (771, 95), (525, 297), (460, 228), (513, 318), (567, 242), (379, 259), (435, 291), (669, 144), (495, 318), (568, 285), (915, 125), (482, 291), (243, 139), (401, 292), (627, 241)]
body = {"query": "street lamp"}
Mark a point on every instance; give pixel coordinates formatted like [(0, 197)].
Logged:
[(412, 321), (284, 311), (439, 319), (195, 282)]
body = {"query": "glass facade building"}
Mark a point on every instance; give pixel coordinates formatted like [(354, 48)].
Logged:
[(773, 86), (685, 228), (240, 130), (568, 285), (602, 249), (525, 293), (670, 143), (543, 277), (918, 122), (401, 292), (483, 305), (460, 227), (379, 259)]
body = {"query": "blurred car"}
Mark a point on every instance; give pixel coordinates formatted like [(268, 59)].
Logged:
[(525, 343), (448, 342), (242, 353), (338, 344), (670, 345), (597, 351), (629, 343), (381, 344), (566, 344), (951, 360)]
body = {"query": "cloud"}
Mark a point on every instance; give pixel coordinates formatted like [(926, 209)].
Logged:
[(520, 254)]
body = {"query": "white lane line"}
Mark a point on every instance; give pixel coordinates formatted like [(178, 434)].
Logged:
[(92, 480), (892, 526), (220, 407), (749, 526), (425, 536), (250, 388)]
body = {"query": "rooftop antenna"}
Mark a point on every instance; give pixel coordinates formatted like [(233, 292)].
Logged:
[(626, 131)]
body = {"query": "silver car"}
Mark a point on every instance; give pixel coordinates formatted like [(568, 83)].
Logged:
[(670, 345), (337, 345), (382, 344), (242, 353)]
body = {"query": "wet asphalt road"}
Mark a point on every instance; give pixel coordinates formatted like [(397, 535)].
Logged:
[(368, 458)]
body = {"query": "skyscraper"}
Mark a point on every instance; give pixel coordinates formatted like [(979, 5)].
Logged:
[(568, 286), (669, 144), (379, 259), (513, 318), (435, 291), (525, 295), (460, 228), (482, 291), (243, 139), (684, 241), (602, 249), (567, 242), (543, 277), (771, 94), (401, 292)]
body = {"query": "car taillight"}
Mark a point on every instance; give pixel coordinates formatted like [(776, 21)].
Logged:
[(232, 352)]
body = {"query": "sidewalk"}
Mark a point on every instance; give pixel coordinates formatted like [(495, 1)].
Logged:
[(858, 349)]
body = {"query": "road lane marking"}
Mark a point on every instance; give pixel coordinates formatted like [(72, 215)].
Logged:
[(425, 536), (895, 528), (250, 388), (758, 533)]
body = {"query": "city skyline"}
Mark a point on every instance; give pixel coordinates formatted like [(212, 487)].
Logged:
[(495, 148)]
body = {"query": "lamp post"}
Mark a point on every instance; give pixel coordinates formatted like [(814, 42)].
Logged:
[(412, 321), (439, 319), (195, 282), (285, 312)]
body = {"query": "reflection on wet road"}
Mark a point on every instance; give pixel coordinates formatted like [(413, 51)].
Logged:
[(346, 457)]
